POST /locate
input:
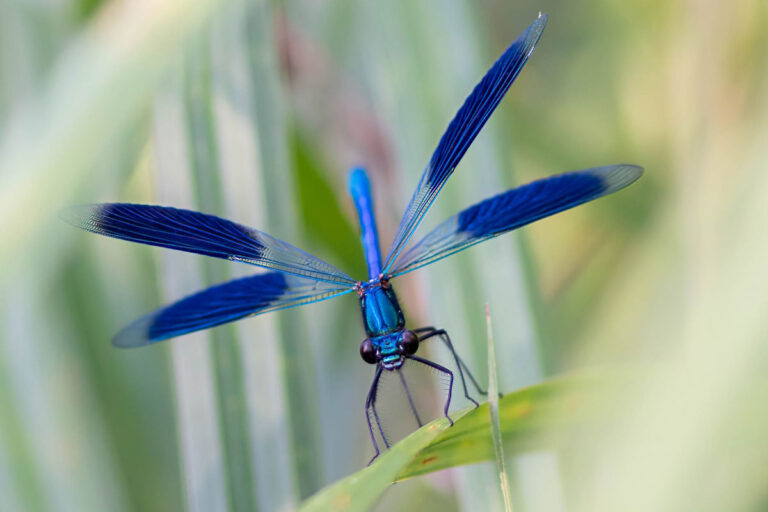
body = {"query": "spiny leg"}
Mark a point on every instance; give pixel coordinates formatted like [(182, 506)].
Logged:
[(376, 413), (480, 391), (445, 338), (442, 369), (368, 403), (378, 423), (410, 399), (430, 332)]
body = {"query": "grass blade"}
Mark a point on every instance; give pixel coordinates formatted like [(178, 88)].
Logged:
[(199, 437), (543, 416), (124, 54), (295, 350), (359, 491), (249, 119), (230, 113), (493, 410)]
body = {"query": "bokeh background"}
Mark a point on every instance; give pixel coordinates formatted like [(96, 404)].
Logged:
[(255, 110)]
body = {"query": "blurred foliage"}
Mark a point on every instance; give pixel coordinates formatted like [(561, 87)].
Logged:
[(255, 111), (326, 225)]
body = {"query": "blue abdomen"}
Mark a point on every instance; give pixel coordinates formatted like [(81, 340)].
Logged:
[(381, 311), (360, 189)]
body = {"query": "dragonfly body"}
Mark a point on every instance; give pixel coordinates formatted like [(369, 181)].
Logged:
[(383, 319), (295, 277)]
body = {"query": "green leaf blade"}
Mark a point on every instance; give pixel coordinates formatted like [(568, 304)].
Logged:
[(546, 415), (493, 406), (360, 490)]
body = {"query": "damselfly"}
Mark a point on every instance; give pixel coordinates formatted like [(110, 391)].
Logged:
[(297, 278)]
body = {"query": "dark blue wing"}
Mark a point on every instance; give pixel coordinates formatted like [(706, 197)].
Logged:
[(462, 131), (225, 303), (513, 209), (200, 233)]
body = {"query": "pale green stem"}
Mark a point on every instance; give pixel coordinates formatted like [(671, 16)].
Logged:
[(493, 409)]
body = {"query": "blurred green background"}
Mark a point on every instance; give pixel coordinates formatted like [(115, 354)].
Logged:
[(254, 111)]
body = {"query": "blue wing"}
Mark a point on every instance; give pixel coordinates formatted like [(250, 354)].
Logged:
[(462, 130), (200, 233), (225, 303), (513, 209)]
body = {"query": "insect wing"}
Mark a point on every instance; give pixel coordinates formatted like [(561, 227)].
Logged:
[(200, 233), (513, 209), (225, 303), (462, 130)]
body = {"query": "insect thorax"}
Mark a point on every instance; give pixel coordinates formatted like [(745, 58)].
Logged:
[(381, 310)]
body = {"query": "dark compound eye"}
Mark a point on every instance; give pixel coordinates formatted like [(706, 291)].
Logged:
[(409, 343), (368, 352)]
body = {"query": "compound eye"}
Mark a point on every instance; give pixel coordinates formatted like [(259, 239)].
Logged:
[(409, 342), (368, 352)]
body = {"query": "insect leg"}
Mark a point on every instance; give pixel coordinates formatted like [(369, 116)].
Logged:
[(430, 332), (373, 407), (368, 403), (441, 369), (410, 399), (447, 340)]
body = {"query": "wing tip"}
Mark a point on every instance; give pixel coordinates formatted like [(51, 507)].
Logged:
[(83, 216), (619, 176), (136, 334), (536, 29)]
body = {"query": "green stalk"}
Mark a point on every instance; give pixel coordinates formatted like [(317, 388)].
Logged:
[(493, 410), (71, 97), (264, 441), (202, 456), (278, 197), (225, 352)]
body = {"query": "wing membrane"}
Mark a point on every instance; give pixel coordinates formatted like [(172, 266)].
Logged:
[(200, 233), (463, 129), (513, 209), (225, 303)]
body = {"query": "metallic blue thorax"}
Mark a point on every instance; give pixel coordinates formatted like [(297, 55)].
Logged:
[(381, 311), (384, 321)]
